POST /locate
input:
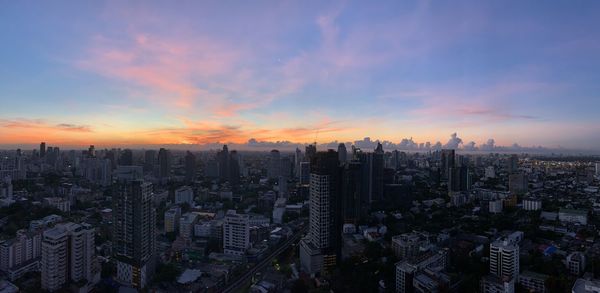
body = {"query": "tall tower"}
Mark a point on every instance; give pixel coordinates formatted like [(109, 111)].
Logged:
[(274, 169), (190, 166), (134, 221), (42, 149), (377, 174), (164, 164), (223, 159), (342, 153), (321, 249)]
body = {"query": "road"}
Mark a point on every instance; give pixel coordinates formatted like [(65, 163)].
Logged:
[(243, 279)]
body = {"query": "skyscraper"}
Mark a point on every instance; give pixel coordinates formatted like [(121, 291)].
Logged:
[(342, 153), (149, 160), (352, 193), (234, 168), (164, 164), (377, 174), (321, 249), (274, 167), (190, 166), (126, 158), (447, 162), (134, 221), (42, 149)]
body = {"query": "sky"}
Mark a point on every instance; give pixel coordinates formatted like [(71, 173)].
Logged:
[(202, 72)]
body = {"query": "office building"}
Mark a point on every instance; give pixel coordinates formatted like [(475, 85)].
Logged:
[(342, 153), (149, 161)]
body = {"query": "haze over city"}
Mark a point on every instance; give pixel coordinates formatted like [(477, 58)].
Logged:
[(137, 74)]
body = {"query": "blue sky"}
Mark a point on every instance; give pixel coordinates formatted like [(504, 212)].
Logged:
[(81, 72)]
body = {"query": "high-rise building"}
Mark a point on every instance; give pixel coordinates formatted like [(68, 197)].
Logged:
[(149, 160), (223, 159), (134, 223), (236, 233), (126, 158), (42, 149), (310, 151), (321, 249), (92, 151), (186, 225), (342, 153), (190, 166), (67, 255), (353, 199), (377, 174), (274, 167), (164, 164), (459, 179), (447, 162), (304, 173), (504, 259), (234, 168), (297, 160)]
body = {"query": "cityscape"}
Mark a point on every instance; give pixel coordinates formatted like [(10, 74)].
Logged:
[(300, 146)]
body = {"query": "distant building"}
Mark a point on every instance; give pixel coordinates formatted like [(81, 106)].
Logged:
[(59, 203), (532, 204), (573, 216), (184, 194), (407, 246), (172, 216)]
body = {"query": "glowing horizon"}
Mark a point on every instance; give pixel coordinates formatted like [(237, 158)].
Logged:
[(124, 74)]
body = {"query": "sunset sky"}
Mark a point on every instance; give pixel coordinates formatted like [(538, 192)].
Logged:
[(196, 72)]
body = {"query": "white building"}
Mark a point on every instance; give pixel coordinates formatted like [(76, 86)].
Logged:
[(504, 259), (236, 233), (184, 194), (533, 282), (532, 204), (67, 255)]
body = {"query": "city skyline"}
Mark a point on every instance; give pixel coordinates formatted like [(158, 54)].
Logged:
[(116, 74)]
